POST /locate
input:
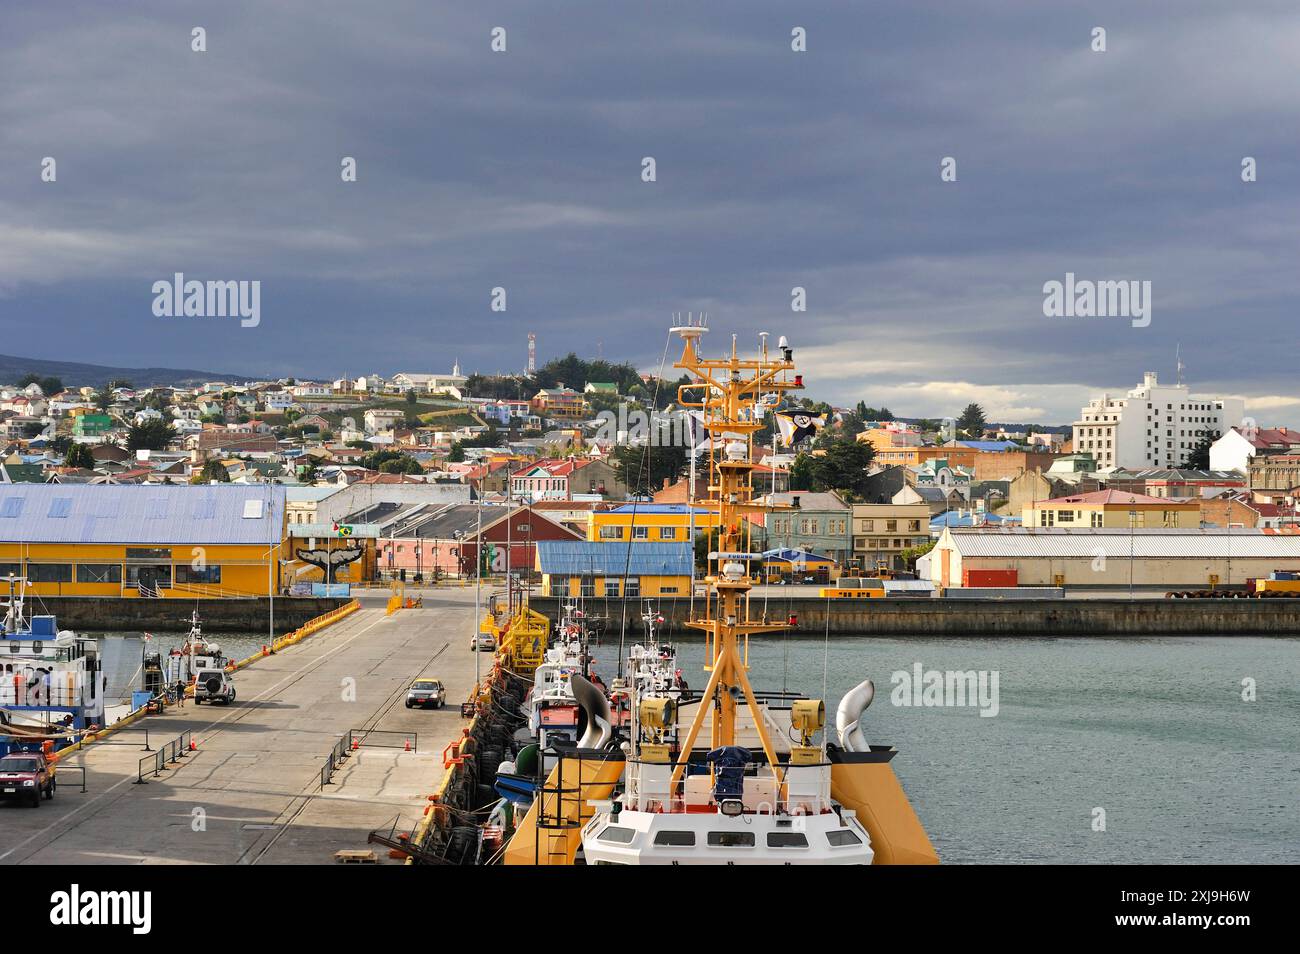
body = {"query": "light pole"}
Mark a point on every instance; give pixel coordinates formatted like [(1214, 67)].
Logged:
[(1132, 525), (478, 591)]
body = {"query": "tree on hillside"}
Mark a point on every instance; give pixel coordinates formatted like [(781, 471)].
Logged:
[(842, 467), (211, 470), (971, 423), (391, 462), (457, 453), (79, 455), (150, 435), (49, 385), (643, 469), (1198, 458)]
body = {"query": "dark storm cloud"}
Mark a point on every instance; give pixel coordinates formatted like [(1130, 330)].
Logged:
[(775, 169)]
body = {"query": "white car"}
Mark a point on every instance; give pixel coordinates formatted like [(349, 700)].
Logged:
[(214, 685), (482, 642)]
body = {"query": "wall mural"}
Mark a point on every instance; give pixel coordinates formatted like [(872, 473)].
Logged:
[(330, 559)]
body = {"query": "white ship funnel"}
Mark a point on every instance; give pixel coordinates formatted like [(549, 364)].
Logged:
[(848, 714), (600, 727)]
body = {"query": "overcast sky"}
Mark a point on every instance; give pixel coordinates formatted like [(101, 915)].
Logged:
[(775, 169)]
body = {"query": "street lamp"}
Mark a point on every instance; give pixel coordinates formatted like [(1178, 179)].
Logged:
[(1132, 524)]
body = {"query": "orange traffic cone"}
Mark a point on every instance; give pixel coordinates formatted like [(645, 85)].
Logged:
[(355, 745), (193, 747), (408, 745)]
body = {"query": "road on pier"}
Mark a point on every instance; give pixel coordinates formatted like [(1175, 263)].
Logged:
[(251, 793)]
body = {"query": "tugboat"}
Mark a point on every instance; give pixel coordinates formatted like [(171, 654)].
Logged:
[(52, 684), (732, 776)]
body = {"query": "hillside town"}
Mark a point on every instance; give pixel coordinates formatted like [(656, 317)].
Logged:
[(442, 475)]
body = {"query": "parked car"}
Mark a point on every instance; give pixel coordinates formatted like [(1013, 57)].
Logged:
[(426, 693), (26, 775), (481, 642), (214, 685)]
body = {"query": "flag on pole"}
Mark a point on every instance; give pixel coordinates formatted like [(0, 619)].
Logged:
[(797, 426), (695, 425)]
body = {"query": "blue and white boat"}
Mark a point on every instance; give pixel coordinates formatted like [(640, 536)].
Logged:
[(52, 683)]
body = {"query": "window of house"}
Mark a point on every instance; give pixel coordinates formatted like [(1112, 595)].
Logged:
[(611, 587), (668, 533), (148, 553), (97, 573), (49, 572), (587, 586), (188, 574), (640, 533), (611, 533), (632, 587)]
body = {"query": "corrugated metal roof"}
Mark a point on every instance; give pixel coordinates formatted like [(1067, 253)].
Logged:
[(1116, 542), (588, 558), (140, 513)]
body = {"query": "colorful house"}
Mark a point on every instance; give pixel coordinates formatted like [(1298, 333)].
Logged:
[(591, 570), (649, 523)]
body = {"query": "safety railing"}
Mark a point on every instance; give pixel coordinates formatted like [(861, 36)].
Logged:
[(61, 770), (384, 739), (168, 753), (336, 755)]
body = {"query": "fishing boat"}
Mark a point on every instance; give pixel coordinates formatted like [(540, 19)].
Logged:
[(733, 775), (554, 717), (52, 685), (195, 654)]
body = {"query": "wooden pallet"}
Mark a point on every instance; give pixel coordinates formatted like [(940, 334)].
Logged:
[(351, 856)]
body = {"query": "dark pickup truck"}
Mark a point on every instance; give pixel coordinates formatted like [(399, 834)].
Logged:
[(26, 775)]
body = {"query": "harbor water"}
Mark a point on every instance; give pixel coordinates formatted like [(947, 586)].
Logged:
[(1149, 737)]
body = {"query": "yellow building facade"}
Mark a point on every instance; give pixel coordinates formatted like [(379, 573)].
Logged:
[(143, 541), (649, 523), (1115, 509)]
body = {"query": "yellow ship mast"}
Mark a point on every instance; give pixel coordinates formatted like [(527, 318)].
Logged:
[(732, 389)]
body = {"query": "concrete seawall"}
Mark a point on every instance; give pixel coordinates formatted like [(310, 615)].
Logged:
[(940, 617), (100, 614)]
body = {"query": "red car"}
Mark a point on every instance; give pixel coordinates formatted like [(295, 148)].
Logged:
[(26, 775)]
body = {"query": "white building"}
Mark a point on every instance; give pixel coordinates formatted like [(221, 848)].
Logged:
[(1154, 425), (382, 419), (429, 383), (1238, 446)]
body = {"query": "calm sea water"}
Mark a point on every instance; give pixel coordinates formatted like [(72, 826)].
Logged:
[(1153, 731)]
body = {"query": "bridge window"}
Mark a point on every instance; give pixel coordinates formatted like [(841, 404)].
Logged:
[(787, 839), (678, 839), (842, 837), (617, 835), (731, 839)]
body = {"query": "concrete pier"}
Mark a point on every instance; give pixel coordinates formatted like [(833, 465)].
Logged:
[(251, 793)]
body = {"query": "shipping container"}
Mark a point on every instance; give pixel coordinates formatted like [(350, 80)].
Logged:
[(988, 577)]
